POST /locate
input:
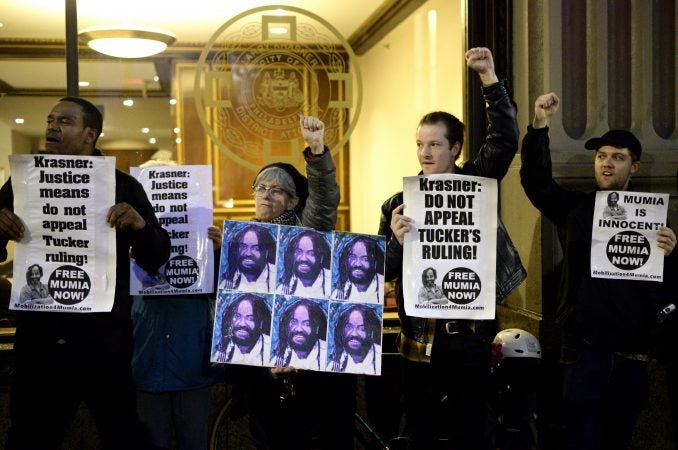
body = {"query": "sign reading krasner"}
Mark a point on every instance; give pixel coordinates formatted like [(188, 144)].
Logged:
[(63, 201)]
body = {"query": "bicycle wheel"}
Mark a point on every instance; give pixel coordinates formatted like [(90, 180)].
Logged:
[(234, 429)]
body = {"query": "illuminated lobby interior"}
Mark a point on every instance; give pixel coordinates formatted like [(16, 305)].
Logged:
[(408, 57)]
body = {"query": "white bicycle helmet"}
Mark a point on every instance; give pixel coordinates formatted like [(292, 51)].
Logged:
[(515, 343)]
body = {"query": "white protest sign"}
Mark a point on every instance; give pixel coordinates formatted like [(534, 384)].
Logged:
[(624, 236), (449, 256), (68, 251), (182, 200)]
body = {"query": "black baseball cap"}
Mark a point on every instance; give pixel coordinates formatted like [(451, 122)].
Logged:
[(616, 138)]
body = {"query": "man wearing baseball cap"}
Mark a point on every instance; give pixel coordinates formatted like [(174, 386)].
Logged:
[(606, 323)]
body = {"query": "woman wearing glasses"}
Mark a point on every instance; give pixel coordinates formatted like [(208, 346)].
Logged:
[(284, 196), (288, 397)]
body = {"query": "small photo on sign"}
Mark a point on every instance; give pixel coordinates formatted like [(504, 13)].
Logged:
[(248, 257), (299, 337), (305, 257), (354, 343), (358, 268), (242, 329)]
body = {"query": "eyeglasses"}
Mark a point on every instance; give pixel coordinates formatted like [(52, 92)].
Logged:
[(261, 189)]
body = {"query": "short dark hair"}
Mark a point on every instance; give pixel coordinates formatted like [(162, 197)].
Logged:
[(30, 269), (423, 274), (91, 116), (315, 314), (319, 245), (455, 128), (371, 322)]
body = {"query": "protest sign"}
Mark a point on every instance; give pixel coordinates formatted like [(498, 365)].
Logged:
[(449, 256), (68, 252), (298, 297), (624, 236), (181, 197)]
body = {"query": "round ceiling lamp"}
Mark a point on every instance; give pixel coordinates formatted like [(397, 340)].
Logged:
[(127, 42)]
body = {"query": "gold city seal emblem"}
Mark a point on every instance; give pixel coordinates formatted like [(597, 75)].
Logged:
[(264, 68)]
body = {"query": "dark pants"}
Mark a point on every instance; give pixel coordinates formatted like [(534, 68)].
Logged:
[(183, 414), (604, 394), (447, 398), (49, 387), (320, 414)]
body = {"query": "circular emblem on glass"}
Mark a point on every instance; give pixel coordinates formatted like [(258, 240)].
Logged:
[(262, 70)]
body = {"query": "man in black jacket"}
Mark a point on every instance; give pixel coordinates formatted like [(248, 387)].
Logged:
[(606, 323), (65, 358), (450, 359)]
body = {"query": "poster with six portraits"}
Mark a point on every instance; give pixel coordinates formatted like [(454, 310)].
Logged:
[(297, 297)]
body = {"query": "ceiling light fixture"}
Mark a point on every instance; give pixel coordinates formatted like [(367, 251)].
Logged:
[(127, 42)]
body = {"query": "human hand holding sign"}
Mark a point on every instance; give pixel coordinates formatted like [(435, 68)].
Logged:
[(400, 224), (480, 60), (313, 130), (123, 216), (666, 240), (544, 107), (11, 226), (214, 234)]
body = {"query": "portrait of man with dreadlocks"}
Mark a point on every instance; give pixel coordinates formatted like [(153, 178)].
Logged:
[(306, 260), (249, 263), (359, 268), (301, 337), (355, 338), (243, 335)]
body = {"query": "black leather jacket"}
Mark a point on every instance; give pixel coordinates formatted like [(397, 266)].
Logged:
[(493, 160), (610, 315)]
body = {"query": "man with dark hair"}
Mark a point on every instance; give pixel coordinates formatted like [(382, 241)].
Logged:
[(306, 266), (87, 355), (302, 336), (361, 271), (245, 332), (251, 261), (357, 341), (35, 291), (607, 324)]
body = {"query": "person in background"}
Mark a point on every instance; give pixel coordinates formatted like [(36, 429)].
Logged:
[(171, 365), (606, 323), (450, 359), (63, 359)]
